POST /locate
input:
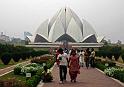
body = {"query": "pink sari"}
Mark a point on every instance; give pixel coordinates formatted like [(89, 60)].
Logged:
[(74, 67)]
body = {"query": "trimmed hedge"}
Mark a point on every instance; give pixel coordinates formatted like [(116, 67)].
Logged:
[(6, 57), (16, 57), (119, 75), (100, 66), (122, 55), (17, 52), (109, 51), (33, 81)]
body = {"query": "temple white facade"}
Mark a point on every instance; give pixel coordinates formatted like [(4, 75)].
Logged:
[(65, 25)]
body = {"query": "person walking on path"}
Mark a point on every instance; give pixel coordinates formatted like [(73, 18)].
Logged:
[(92, 57), (57, 60), (87, 57), (81, 58), (73, 65), (62, 57)]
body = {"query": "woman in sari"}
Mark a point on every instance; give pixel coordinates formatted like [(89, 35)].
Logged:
[(73, 66)]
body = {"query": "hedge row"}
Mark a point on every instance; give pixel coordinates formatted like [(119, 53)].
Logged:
[(6, 57), (119, 75), (104, 64), (13, 49), (109, 51)]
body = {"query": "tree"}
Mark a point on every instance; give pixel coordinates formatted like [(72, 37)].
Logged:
[(109, 41), (118, 42), (105, 42)]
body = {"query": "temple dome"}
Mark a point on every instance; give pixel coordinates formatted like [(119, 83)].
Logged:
[(65, 25)]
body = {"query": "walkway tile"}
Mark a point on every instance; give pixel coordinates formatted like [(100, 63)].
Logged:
[(87, 78)]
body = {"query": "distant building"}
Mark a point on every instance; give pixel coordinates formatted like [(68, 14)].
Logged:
[(17, 41), (4, 37)]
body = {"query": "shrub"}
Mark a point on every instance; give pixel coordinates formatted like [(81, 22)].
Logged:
[(31, 68), (109, 54), (110, 63), (98, 54), (17, 69), (98, 60), (38, 53), (116, 50), (110, 51), (110, 71), (6, 57), (119, 75), (16, 57), (116, 56), (50, 64), (122, 55), (100, 66), (33, 81), (39, 72), (23, 55)]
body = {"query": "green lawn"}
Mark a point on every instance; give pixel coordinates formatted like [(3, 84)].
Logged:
[(18, 78), (10, 63), (12, 76)]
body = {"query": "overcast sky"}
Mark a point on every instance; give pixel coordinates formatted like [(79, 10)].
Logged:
[(106, 16)]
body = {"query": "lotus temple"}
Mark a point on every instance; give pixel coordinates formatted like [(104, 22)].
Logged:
[(65, 28)]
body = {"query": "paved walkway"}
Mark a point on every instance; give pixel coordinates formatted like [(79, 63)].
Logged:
[(88, 78), (10, 68)]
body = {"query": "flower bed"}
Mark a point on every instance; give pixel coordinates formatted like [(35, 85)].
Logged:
[(104, 64), (34, 80), (31, 68), (36, 70), (42, 59), (110, 69), (117, 73)]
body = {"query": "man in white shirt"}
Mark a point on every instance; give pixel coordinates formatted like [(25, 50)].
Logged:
[(62, 57)]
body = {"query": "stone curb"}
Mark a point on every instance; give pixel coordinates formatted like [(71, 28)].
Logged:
[(116, 80)]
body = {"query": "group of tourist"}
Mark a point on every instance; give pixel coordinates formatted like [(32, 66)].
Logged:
[(87, 58), (73, 60)]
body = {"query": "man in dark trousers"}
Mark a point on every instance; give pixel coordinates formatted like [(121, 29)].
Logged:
[(62, 57)]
